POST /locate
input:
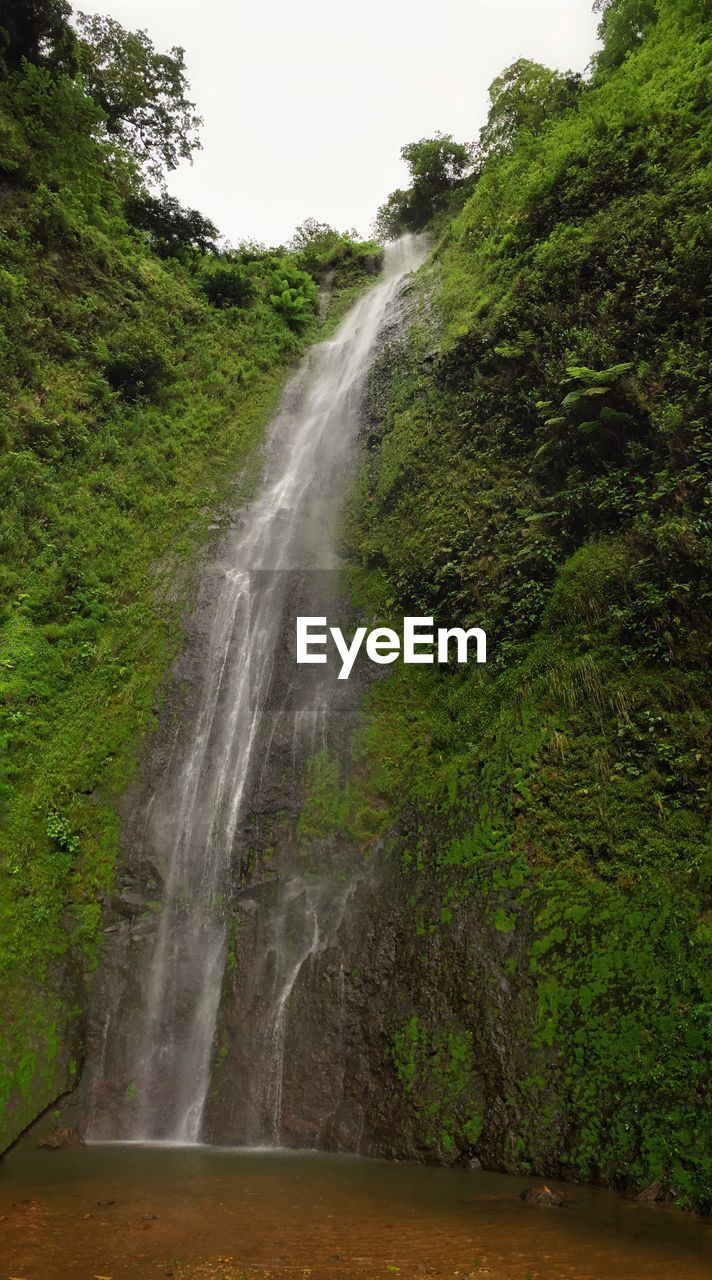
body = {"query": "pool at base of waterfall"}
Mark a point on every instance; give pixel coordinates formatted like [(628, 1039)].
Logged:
[(123, 1212)]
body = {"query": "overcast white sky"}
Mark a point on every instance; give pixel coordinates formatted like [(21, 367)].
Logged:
[(307, 103)]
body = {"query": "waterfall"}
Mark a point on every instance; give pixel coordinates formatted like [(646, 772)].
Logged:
[(164, 1049)]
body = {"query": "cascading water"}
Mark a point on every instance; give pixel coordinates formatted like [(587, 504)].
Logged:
[(159, 1058)]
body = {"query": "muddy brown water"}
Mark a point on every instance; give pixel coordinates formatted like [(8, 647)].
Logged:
[(128, 1212)]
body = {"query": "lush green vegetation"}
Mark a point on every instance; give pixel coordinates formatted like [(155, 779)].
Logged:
[(437, 166), (538, 467), (139, 362), (541, 470)]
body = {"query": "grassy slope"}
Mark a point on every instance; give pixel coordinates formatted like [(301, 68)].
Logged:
[(106, 492), (563, 788)]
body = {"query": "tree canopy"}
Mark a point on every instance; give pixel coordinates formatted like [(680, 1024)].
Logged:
[(142, 93), (622, 28), (436, 165), (39, 31), (524, 97), (171, 227)]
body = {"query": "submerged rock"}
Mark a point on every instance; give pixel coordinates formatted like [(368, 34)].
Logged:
[(544, 1196), (652, 1193), (468, 1161), (62, 1139)]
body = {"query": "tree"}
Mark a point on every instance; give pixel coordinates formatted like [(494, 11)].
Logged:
[(312, 234), (39, 31), (392, 216), (524, 97), (436, 163), (170, 227), (227, 284), (622, 28), (436, 166), (141, 92), (333, 257)]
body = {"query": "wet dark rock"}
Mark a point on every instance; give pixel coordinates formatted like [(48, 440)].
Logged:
[(151, 878), (651, 1194), (255, 892), (369, 975), (468, 1160), (128, 904), (544, 1196), (62, 1140)]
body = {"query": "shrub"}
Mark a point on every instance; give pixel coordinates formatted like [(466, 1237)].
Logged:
[(226, 284), (293, 294), (138, 368)]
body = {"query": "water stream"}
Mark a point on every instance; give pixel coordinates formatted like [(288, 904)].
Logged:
[(159, 1045)]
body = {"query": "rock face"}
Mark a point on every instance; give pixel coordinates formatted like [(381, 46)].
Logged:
[(128, 904), (46, 1034), (344, 1022), (374, 999)]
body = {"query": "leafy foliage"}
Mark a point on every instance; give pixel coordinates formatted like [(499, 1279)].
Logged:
[(435, 163), (39, 31), (436, 166), (172, 230), (227, 284), (142, 93), (540, 467), (523, 98), (294, 294), (138, 366), (623, 25), (328, 255)]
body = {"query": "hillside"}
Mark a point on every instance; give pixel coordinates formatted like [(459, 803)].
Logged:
[(538, 464), (139, 363)]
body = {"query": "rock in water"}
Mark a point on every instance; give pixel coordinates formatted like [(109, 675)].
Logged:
[(62, 1139), (652, 1193), (543, 1195)]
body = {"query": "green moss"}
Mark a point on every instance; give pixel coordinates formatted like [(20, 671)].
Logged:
[(338, 803), (435, 1070)]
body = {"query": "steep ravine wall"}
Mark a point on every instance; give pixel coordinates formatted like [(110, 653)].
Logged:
[(471, 1001), (525, 1006), (84, 685), (404, 1036), (280, 907)]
